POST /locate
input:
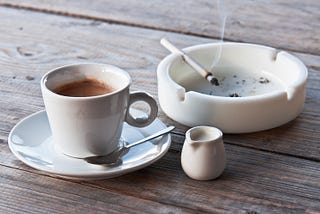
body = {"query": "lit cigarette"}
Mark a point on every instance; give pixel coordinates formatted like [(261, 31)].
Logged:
[(196, 66)]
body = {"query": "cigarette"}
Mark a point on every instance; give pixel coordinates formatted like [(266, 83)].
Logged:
[(196, 66)]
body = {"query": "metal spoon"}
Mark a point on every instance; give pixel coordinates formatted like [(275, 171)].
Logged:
[(114, 158)]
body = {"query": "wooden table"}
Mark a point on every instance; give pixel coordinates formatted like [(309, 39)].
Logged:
[(273, 171)]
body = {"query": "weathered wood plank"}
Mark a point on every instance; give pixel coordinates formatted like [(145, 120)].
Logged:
[(254, 181), (25, 192), (31, 43), (293, 25)]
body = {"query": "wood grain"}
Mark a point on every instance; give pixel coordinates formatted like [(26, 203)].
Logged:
[(25, 192), (254, 181), (275, 171), (56, 40), (293, 25)]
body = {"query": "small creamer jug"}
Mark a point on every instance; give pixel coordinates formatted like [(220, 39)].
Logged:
[(203, 154)]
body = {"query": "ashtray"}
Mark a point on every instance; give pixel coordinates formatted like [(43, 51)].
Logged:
[(259, 87)]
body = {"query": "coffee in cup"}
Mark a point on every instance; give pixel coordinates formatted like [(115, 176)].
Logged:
[(83, 88), (87, 104)]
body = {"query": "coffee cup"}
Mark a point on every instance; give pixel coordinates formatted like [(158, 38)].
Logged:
[(87, 104)]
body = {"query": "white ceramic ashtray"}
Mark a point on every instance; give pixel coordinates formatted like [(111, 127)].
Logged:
[(259, 87)]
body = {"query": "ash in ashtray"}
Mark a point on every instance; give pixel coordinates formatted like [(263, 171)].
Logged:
[(236, 83), (264, 80), (234, 95)]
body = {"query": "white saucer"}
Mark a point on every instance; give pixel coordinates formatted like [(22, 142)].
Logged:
[(30, 141)]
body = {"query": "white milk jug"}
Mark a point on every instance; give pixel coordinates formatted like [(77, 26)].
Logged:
[(203, 154)]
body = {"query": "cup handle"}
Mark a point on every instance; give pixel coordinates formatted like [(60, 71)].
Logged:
[(142, 121)]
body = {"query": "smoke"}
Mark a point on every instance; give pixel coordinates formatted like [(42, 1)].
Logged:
[(223, 13)]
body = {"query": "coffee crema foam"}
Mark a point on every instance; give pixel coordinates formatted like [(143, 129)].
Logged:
[(83, 88)]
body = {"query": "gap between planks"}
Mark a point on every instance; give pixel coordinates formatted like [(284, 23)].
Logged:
[(246, 146), (179, 135), (91, 184), (131, 24)]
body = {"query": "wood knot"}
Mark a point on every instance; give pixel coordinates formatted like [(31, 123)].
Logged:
[(23, 52), (30, 78)]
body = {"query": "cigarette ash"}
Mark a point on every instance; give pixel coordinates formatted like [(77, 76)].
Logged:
[(240, 84)]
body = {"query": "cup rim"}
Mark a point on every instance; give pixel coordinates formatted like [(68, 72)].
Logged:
[(217, 134), (112, 67)]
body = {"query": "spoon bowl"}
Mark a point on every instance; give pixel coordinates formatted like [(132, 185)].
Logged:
[(114, 158)]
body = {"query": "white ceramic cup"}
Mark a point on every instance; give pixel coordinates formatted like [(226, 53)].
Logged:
[(91, 125)]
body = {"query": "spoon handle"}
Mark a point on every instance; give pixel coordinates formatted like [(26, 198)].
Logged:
[(155, 135)]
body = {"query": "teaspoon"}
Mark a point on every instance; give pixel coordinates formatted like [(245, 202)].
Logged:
[(114, 157)]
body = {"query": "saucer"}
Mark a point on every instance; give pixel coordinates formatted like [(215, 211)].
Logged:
[(31, 142)]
